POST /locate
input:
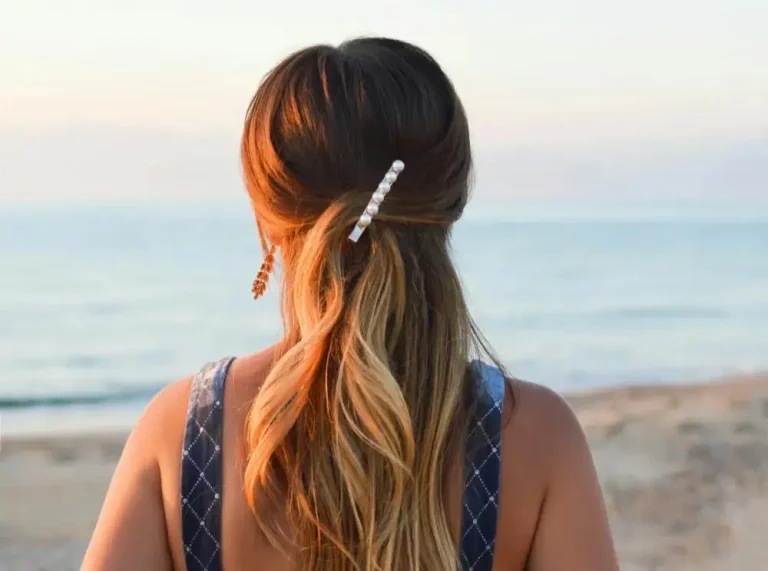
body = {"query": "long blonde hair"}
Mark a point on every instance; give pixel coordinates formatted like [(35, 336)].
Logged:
[(367, 401)]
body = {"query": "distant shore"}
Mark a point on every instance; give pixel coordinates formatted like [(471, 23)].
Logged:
[(684, 469)]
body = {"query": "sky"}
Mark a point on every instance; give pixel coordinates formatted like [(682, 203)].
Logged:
[(145, 99)]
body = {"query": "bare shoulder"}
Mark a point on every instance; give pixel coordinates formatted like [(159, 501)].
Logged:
[(540, 416), (162, 423), (169, 404), (135, 507), (550, 487), (538, 428), (166, 414)]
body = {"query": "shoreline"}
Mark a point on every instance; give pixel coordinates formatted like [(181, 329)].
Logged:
[(86, 418), (684, 469)]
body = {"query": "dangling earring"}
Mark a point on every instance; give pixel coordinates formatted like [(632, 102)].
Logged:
[(262, 278)]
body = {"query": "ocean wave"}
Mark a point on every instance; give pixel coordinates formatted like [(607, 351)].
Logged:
[(626, 316), (136, 394), (661, 312)]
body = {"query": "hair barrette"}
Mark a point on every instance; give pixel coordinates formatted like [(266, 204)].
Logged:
[(378, 196)]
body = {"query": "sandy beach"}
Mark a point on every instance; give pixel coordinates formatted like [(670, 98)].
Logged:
[(684, 470)]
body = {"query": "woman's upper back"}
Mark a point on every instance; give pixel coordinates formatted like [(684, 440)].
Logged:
[(202, 469), (549, 511)]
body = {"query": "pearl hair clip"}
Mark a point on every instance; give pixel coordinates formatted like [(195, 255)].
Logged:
[(373, 206)]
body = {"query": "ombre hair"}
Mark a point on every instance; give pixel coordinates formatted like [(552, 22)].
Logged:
[(365, 407)]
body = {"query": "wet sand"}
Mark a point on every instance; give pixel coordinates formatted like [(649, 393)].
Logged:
[(684, 470)]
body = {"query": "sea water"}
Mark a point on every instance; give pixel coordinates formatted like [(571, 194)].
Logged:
[(101, 305)]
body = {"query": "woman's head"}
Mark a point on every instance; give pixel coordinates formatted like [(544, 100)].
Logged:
[(326, 124), (364, 406)]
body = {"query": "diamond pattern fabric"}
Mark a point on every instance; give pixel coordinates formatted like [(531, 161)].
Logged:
[(201, 469)]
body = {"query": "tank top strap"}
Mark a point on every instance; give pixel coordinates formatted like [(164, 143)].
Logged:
[(483, 470), (201, 469)]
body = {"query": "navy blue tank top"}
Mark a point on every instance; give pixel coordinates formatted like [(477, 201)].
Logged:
[(201, 470)]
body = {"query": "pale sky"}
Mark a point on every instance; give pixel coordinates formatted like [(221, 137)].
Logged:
[(546, 74)]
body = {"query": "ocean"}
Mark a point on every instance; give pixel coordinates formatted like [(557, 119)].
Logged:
[(103, 304)]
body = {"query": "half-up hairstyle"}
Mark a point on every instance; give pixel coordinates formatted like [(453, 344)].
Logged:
[(366, 404)]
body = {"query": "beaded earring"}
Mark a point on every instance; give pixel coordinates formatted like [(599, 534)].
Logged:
[(262, 278)]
